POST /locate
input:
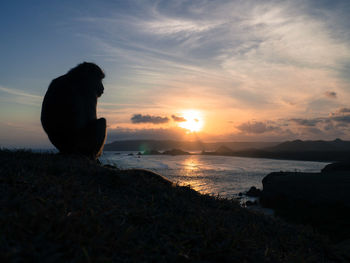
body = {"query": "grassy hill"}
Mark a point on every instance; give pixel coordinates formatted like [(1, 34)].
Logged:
[(58, 208)]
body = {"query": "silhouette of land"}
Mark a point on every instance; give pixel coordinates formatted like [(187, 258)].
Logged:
[(67, 208), (163, 145), (321, 200), (326, 151)]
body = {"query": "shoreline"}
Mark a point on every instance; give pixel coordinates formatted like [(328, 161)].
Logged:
[(70, 209), (322, 160), (214, 175)]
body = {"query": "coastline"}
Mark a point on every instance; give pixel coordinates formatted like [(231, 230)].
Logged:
[(68, 208), (324, 157), (321, 151), (226, 176)]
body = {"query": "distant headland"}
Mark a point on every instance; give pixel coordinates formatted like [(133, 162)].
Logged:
[(325, 151)]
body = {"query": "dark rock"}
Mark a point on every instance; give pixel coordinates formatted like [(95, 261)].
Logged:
[(336, 167), (250, 203), (240, 194), (253, 191), (318, 199), (130, 154), (318, 188)]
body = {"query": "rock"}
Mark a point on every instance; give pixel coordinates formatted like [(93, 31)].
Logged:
[(254, 192), (320, 188), (336, 167), (250, 203), (321, 200)]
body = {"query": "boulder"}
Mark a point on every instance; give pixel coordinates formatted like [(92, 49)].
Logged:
[(253, 191), (316, 188), (318, 199), (250, 203), (336, 167)]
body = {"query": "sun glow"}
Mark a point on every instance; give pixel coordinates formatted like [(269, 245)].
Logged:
[(194, 120)]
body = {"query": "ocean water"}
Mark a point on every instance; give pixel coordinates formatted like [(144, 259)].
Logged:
[(217, 175)]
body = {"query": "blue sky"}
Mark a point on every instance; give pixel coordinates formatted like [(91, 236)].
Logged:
[(254, 70)]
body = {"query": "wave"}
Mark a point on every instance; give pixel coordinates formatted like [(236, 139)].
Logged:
[(217, 175)]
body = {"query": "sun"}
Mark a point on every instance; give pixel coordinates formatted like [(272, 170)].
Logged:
[(194, 120)]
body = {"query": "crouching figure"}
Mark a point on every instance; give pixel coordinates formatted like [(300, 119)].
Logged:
[(68, 113)]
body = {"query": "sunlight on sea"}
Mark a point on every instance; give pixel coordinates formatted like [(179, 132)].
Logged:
[(217, 175)]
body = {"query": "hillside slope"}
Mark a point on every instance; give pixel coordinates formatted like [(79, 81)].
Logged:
[(58, 208)]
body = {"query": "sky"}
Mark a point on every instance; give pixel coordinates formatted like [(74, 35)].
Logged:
[(245, 70)]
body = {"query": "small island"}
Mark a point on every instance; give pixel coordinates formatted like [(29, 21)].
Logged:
[(321, 151)]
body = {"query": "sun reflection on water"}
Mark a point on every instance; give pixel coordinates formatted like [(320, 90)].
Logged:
[(217, 175), (191, 163), (194, 175)]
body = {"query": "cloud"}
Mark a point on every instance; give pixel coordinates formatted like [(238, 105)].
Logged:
[(250, 49), (256, 127), (178, 118), (331, 94), (341, 111), (344, 119), (19, 93), (341, 116), (311, 131), (20, 96), (335, 125), (169, 26), (139, 118), (306, 122)]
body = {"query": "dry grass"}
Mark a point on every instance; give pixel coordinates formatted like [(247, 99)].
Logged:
[(66, 209)]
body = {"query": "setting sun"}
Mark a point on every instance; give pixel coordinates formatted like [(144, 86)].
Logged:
[(194, 120)]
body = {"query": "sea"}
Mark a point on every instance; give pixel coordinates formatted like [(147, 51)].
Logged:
[(224, 176)]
